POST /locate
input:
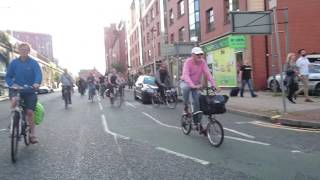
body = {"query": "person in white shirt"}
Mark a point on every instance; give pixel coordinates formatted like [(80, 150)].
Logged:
[(303, 65)]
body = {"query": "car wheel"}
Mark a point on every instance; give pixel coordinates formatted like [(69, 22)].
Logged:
[(144, 99), (134, 95), (317, 90), (274, 85)]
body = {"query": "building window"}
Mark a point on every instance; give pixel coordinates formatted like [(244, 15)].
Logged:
[(158, 28), (230, 5), (159, 49), (171, 16), (157, 8), (172, 38), (148, 38), (152, 14), (181, 34), (194, 20), (210, 20), (180, 8)]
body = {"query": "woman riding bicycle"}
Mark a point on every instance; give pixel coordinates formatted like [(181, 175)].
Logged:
[(193, 69)]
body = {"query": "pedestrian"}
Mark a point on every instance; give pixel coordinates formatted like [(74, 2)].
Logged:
[(291, 76), (25, 71), (245, 76), (303, 65)]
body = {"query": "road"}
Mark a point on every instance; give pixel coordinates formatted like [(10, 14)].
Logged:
[(136, 141)]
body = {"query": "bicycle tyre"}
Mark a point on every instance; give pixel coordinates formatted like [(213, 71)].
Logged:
[(26, 135), (186, 124), (66, 100), (116, 99), (15, 136), (214, 138), (171, 102), (155, 100)]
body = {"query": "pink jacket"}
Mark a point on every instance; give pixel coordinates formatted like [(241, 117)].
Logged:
[(192, 72)]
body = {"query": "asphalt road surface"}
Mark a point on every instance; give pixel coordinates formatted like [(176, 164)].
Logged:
[(137, 141)]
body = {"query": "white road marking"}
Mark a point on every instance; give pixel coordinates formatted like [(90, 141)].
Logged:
[(106, 129), (295, 151), (203, 162), (278, 126), (98, 98), (245, 140), (240, 133), (241, 122), (3, 130), (129, 104), (100, 106), (159, 122)]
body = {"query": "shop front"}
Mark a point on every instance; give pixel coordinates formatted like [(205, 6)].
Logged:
[(224, 57)]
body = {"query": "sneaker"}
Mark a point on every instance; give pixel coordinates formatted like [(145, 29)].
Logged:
[(254, 95)]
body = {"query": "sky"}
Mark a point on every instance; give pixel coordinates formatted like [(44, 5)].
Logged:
[(76, 26)]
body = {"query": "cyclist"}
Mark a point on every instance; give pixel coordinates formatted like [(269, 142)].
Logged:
[(193, 69), (25, 71), (102, 86), (163, 80), (112, 81), (91, 82), (67, 83), (81, 86)]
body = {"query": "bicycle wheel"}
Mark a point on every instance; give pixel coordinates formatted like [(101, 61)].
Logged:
[(215, 133), (186, 124), (155, 99), (116, 99), (171, 101), (15, 136), (26, 134), (66, 97)]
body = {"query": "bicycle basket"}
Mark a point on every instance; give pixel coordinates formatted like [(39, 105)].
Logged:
[(213, 104), (39, 113)]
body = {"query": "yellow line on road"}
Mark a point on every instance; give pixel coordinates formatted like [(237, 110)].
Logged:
[(277, 126)]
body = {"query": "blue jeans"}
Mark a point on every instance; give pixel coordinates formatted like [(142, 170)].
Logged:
[(186, 90), (243, 83)]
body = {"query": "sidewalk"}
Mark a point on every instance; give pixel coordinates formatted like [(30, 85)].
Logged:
[(269, 107)]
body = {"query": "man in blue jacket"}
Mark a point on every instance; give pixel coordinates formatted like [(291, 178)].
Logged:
[(25, 72)]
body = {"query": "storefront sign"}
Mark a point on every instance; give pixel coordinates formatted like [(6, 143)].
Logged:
[(237, 42)]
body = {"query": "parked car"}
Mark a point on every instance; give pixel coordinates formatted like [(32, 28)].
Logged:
[(44, 90), (143, 88), (314, 80)]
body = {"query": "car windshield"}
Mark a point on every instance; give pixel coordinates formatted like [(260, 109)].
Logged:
[(149, 80), (315, 69)]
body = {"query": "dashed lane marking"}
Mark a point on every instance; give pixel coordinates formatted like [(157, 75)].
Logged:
[(129, 104), (159, 122), (240, 133), (245, 140), (228, 137), (295, 151), (278, 126), (3, 130), (203, 162), (100, 106)]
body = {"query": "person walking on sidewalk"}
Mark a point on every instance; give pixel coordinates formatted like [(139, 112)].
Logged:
[(291, 76), (303, 65), (245, 76)]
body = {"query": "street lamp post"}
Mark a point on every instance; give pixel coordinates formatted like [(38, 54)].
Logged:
[(153, 50)]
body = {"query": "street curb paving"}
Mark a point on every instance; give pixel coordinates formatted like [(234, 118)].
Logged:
[(277, 119), (4, 98)]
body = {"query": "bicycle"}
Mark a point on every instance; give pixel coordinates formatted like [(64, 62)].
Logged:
[(91, 93), (117, 97), (18, 123), (170, 98), (66, 94), (214, 130)]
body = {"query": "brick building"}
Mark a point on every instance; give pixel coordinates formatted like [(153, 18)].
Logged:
[(207, 23), (116, 46), (42, 43)]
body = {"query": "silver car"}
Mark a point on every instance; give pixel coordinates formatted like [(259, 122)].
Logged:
[(314, 80)]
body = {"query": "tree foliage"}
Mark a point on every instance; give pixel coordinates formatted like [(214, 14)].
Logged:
[(119, 67)]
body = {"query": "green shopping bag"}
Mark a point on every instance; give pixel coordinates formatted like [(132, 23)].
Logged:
[(39, 113)]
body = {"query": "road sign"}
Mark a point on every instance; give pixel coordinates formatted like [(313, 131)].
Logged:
[(251, 22)]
